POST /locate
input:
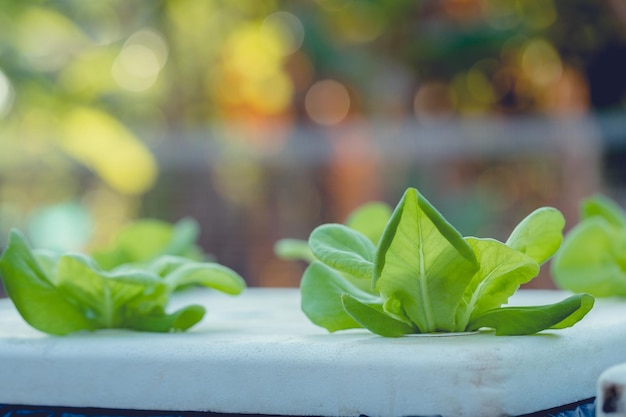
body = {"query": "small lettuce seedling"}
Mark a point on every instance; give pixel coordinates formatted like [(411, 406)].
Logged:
[(424, 277), (593, 255), (147, 239), (61, 294), (370, 220)]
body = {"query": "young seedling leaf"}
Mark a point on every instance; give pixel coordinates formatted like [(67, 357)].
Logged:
[(586, 304), (207, 274), (294, 249), (374, 319), (370, 220), (539, 235), (592, 259), (343, 249), (101, 295), (147, 239), (322, 288), (47, 261), (502, 271), (425, 263), (518, 321), (182, 239), (161, 322), (602, 206), (36, 298), (71, 292)]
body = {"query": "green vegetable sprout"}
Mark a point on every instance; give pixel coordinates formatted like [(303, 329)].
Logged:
[(126, 286), (422, 276), (593, 255), (146, 239)]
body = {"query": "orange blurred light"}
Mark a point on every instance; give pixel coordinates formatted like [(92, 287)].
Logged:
[(327, 102), (568, 95), (251, 79), (354, 170)]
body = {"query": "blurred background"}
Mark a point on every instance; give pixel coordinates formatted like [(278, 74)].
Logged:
[(265, 118)]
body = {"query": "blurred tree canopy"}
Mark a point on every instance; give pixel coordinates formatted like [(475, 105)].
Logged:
[(96, 85)]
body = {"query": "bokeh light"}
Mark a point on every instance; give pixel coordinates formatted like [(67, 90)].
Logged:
[(140, 61), (541, 62), (327, 102), (269, 117), (105, 146), (60, 227), (252, 77), (289, 28)]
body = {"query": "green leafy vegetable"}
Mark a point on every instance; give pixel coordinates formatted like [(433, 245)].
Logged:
[(593, 255), (294, 249), (425, 277), (71, 292), (603, 207), (417, 253), (527, 320), (147, 239), (539, 235), (373, 318), (369, 220), (326, 309), (344, 249)]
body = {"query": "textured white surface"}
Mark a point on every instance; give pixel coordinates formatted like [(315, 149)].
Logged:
[(258, 354)]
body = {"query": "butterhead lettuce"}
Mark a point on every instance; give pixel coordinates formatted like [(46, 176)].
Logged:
[(424, 277), (61, 294), (593, 256)]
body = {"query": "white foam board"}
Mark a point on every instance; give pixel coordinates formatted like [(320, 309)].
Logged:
[(258, 354)]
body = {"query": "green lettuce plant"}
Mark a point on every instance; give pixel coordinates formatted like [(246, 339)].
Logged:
[(61, 294), (593, 255), (422, 276), (370, 220), (147, 239)]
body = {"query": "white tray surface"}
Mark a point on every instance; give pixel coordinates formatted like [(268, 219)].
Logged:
[(258, 354)]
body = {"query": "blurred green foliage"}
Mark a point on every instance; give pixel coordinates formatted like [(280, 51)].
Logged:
[(97, 85)]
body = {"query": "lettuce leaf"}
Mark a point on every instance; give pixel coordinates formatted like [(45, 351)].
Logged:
[(423, 262), (426, 277), (73, 293), (592, 258), (344, 249), (147, 239), (369, 220), (36, 298), (516, 321), (322, 288), (502, 271), (539, 235)]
